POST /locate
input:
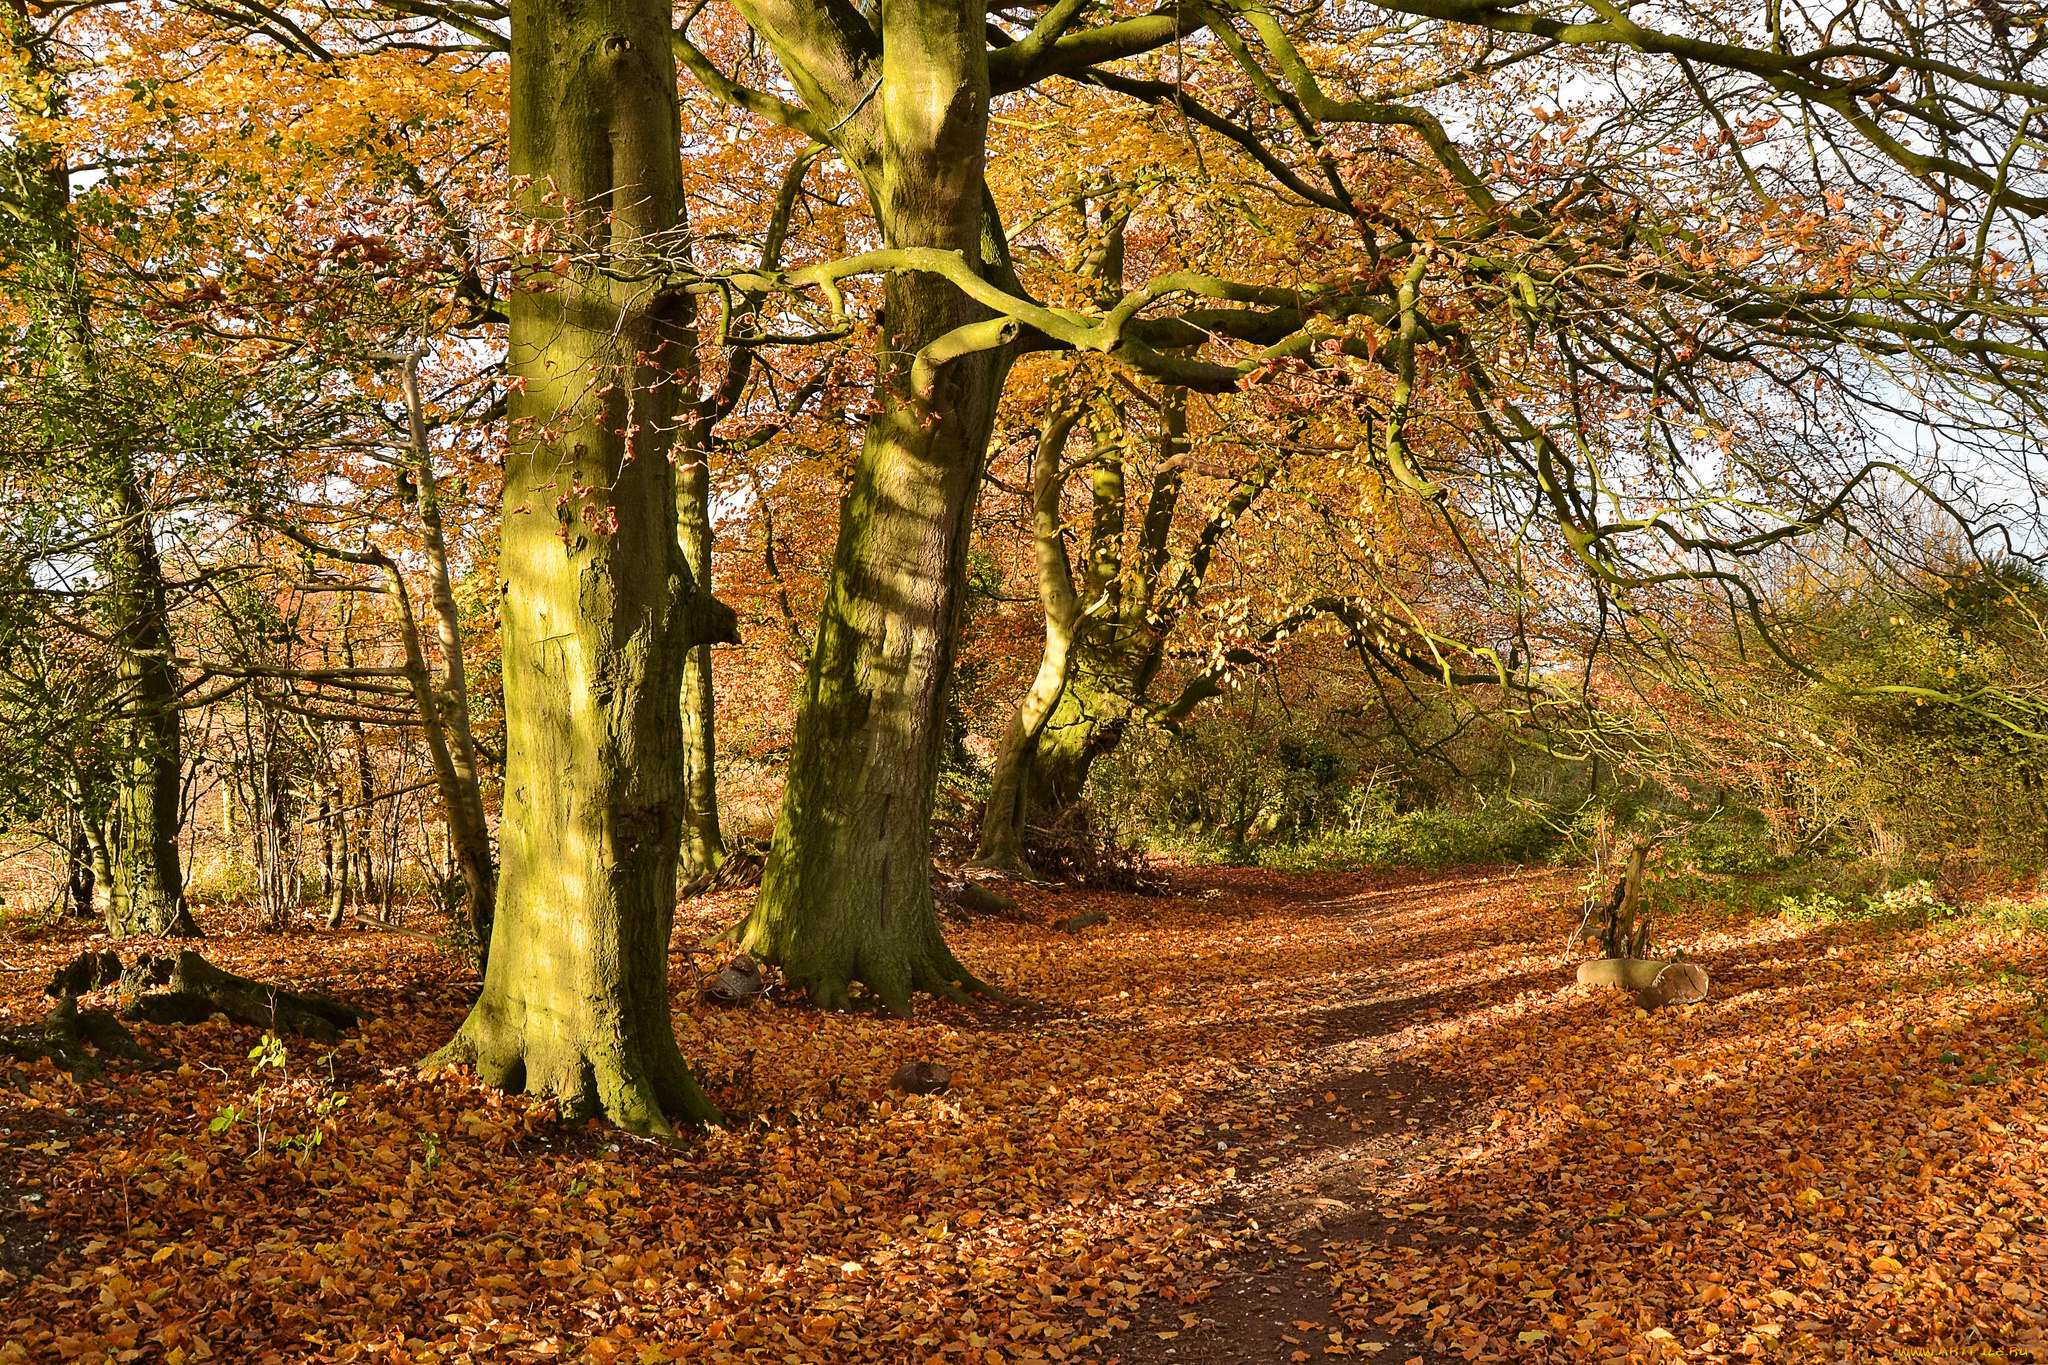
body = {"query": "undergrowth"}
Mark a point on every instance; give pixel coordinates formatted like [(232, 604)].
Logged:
[(1425, 839)]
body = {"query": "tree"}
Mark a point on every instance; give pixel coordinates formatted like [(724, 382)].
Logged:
[(1644, 371), (83, 418), (600, 607), (1457, 307)]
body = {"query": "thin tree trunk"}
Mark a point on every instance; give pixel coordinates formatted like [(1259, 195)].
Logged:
[(703, 844), (79, 878), (600, 607), (337, 835), (1003, 819), (444, 709), (102, 861)]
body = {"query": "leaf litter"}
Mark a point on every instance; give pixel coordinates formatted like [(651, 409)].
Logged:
[(1311, 1116)]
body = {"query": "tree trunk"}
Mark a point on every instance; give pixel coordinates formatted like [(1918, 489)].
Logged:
[(444, 700), (146, 894), (78, 868), (847, 892), (599, 604), (1115, 658), (1003, 818), (368, 893), (101, 850), (1087, 722), (703, 845), (337, 891)]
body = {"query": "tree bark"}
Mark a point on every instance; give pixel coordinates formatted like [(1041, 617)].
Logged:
[(78, 870), (444, 700), (337, 890), (847, 895), (1116, 657), (600, 606), (148, 894)]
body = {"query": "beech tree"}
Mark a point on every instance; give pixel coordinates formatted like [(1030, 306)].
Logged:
[(1626, 292), (1642, 375), (79, 420)]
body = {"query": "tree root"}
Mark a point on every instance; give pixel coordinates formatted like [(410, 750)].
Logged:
[(825, 953), (961, 988), (69, 1031), (196, 991), (194, 983), (651, 1095)]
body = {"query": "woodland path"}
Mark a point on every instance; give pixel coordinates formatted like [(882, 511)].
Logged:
[(1369, 1128)]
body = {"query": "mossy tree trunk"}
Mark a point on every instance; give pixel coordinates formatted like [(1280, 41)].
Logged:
[(148, 891), (846, 896), (1116, 657), (145, 893), (1003, 818), (600, 607)]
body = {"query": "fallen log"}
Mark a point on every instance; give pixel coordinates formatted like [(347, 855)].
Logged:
[(1680, 983)]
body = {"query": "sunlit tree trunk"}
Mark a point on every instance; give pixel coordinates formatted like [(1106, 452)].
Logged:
[(847, 892), (1116, 656), (600, 607), (1001, 843), (444, 698)]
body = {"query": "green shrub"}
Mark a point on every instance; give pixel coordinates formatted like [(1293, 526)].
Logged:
[(1734, 842), (1428, 839), (1912, 904)]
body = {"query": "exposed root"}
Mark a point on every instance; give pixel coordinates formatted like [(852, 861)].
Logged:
[(946, 990), (194, 990), (1008, 859), (198, 990), (653, 1098), (68, 1033)]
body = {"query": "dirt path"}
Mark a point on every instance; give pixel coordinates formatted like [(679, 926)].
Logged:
[(1365, 1128)]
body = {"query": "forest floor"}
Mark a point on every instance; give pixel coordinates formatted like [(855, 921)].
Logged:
[(1262, 1118)]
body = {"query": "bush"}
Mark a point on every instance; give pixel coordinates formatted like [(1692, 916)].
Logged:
[(1912, 904), (1734, 842), (1430, 839)]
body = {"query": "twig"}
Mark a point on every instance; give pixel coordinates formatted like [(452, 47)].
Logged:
[(1579, 934)]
